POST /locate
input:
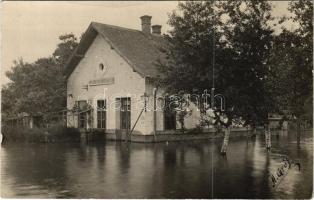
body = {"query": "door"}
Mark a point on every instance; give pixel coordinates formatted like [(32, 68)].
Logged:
[(101, 114), (82, 117), (125, 113), (170, 120), (82, 120)]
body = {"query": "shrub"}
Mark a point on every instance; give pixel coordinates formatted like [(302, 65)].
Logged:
[(60, 133), (54, 133)]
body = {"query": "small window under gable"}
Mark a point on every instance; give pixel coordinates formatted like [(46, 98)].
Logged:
[(101, 66)]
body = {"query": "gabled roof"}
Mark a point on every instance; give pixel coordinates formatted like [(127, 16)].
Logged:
[(140, 50)]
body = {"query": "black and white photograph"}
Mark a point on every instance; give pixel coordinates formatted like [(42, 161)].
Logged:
[(156, 99)]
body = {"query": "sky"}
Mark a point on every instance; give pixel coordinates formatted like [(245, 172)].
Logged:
[(30, 30)]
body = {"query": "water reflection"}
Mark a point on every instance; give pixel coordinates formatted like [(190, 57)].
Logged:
[(192, 169)]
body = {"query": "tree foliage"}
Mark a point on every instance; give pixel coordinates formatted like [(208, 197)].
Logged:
[(38, 88), (65, 48), (290, 78), (190, 50), (243, 75), (239, 33)]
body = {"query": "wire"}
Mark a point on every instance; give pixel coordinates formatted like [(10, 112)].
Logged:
[(213, 54), (213, 59)]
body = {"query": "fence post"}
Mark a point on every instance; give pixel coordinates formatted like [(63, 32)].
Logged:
[(268, 137)]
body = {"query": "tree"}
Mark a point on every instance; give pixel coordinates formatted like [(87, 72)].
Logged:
[(224, 45), (290, 78), (244, 73), (190, 51), (65, 48), (8, 101), (241, 37), (38, 88), (303, 11)]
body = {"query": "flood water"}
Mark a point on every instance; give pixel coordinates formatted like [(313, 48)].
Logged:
[(193, 169)]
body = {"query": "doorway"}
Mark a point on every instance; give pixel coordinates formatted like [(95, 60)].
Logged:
[(125, 113), (101, 114), (82, 116), (170, 118)]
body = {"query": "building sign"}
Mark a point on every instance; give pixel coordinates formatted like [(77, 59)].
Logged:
[(103, 81), (85, 87)]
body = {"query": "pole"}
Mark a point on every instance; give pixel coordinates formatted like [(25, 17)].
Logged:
[(136, 121), (155, 113), (212, 100)]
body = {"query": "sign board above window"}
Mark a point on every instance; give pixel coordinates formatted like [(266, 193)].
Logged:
[(85, 87), (103, 81)]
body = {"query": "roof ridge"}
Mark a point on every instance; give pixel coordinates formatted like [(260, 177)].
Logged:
[(128, 29), (113, 26)]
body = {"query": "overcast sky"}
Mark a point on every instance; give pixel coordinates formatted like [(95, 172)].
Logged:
[(30, 30)]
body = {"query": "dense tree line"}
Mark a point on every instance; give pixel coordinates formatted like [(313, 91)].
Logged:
[(257, 71), (290, 80)]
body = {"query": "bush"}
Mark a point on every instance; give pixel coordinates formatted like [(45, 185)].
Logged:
[(54, 133), (61, 133), (197, 130)]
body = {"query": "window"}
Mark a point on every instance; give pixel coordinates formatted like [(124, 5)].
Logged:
[(101, 114), (82, 117), (101, 66), (82, 105), (125, 104), (82, 120)]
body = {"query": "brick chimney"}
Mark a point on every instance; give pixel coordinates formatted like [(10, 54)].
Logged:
[(146, 23), (156, 29)]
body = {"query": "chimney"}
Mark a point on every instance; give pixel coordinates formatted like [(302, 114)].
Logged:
[(146, 24), (156, 29)]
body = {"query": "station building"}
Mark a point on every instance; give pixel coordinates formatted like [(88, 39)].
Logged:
[(112, 81)]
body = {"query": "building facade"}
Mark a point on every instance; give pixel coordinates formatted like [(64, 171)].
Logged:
[(112, 81)]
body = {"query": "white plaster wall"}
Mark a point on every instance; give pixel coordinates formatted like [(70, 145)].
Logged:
[(150, 108), (127, 83)]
